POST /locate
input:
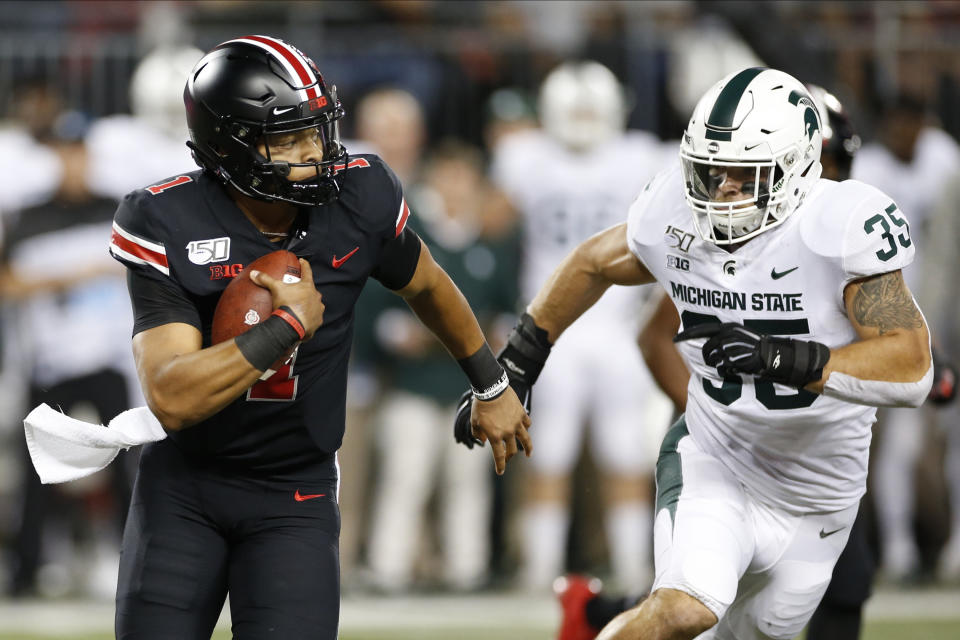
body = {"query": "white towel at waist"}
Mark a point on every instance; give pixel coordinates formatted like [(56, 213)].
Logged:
[(63, 448)]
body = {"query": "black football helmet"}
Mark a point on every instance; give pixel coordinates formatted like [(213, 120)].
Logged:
[(252, 86), (840, 140)]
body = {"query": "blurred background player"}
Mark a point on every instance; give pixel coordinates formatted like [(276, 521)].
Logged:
[(912, 160), (839, 616), (389, 122), (571, 178), (130, 150), (449, 208), (72, 323)]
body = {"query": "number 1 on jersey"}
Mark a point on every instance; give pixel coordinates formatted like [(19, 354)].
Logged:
[(280, 387)]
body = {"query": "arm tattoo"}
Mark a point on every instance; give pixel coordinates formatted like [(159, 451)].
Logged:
[(884, 302)]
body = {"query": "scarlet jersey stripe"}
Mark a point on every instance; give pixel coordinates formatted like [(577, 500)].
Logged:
[(291, 60), (402, 217), (130, 248)]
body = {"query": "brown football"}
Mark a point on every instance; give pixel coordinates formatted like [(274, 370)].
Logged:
[(243, 304)]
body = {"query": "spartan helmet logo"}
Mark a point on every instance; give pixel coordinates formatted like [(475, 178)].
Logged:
[(811, 118), (730, 267), (811, 122)]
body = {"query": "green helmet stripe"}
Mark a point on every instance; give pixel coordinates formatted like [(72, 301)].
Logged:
[(721, 116)]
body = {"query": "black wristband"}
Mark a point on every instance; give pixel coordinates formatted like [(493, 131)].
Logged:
[(265, 343), (484, 372)]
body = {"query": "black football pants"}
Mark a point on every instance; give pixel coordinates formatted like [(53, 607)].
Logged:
[(194, 534)]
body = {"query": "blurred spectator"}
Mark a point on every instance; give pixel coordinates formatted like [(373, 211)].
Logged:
[(509, 110), (940, 301), (130, 151), (572, 178), (389, 122), (73, 323), (392, 121), (416, 415), (912, 161), (30, 170)]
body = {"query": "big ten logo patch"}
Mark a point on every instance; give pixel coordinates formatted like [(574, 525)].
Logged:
[(678, 263), (318, 103), (221, 271)]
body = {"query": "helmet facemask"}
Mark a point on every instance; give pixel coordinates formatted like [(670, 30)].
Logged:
[(765, 203)]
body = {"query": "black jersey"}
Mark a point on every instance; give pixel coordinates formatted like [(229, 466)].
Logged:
[(188, 235)]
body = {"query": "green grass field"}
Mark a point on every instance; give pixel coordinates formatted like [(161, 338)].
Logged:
[(891, 615), (881, 630)]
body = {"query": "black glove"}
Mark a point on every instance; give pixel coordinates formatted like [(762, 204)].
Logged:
[(733, 349), (522, 358), (462, 428), (944, 388)]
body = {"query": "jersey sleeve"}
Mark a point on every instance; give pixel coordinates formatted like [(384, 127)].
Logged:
[(642, 231), (135, 240), (399, 245), (861, 231), (158, 301)]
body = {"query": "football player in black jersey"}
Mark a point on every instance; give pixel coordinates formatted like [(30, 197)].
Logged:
[(241, 497)]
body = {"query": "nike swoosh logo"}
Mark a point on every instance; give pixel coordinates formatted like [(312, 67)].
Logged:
[(339, 261), (777, 276), (299, 497), (752, 147), (277, 110), (825, 534)]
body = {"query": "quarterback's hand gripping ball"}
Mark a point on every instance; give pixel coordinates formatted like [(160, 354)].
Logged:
[(734, 349), (243, 304)]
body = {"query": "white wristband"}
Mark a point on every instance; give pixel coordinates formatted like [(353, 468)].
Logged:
[(493, 391)]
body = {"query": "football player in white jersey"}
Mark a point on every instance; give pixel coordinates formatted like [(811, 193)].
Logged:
[(569, 179), (796, 325)]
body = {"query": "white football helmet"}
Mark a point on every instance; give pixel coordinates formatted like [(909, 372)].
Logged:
[(761, 120), (156, 87), (582, 105)]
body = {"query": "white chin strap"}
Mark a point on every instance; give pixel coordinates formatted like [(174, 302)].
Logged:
[(879, 393)]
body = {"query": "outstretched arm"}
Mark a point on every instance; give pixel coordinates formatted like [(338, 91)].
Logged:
[(443, 309), (892, 356), (602, 260)]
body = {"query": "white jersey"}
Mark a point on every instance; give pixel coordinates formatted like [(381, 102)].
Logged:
[(127, 153), (794, 449), (565, 197)]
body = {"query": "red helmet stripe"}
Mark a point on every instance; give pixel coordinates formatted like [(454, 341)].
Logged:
[(290, 59)]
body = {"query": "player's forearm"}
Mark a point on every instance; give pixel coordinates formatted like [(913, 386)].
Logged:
[(889, 370), (600, 261), (667, 368), (573, 288), (443, 309), (194, 386)]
